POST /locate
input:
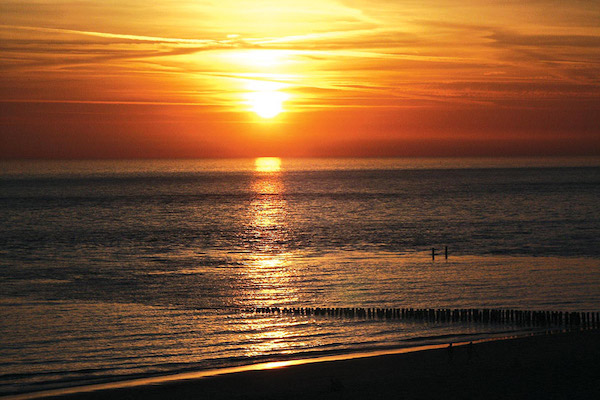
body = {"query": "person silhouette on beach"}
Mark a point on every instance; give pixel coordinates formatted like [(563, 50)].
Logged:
[(450, 351)]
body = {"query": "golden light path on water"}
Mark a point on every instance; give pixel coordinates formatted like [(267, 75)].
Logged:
[(270, 270), (267, 164)]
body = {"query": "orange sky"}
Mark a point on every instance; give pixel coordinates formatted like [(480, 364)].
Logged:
[(133, 78)]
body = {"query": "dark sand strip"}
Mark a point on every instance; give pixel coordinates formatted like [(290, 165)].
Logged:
[(557, 366)]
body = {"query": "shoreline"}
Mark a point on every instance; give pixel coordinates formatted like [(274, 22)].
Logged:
[(330, 375)]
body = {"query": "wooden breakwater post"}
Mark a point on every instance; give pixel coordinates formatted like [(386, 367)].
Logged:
[(513, 317)]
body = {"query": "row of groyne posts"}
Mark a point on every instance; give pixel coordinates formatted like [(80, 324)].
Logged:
[(588, 320)]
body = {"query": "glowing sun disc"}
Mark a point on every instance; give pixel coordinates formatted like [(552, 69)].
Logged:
[(267, 104)]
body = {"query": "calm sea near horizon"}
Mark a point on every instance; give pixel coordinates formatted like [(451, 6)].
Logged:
[(117, 269)]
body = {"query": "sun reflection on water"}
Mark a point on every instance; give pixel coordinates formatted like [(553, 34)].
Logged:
[(268, 267), (268, 208), (271, 335), (267, 164), (269, 275)]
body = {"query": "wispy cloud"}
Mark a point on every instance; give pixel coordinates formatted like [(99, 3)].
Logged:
[(152, 39)]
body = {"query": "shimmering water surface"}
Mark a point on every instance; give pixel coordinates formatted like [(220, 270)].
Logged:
[(114, 269)]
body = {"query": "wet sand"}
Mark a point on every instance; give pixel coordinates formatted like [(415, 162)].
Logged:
[(557, 366)]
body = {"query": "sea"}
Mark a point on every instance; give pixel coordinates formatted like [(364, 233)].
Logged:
[(116, 269)]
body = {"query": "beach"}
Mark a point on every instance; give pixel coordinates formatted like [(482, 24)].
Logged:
[(551, 366)]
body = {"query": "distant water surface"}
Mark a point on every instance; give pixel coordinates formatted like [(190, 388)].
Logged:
[(113, 269)]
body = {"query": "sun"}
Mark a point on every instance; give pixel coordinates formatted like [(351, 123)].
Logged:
[(267, 104), (265, 98)]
